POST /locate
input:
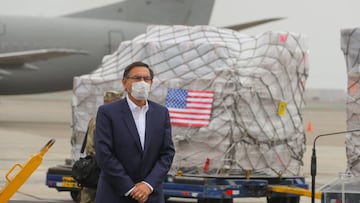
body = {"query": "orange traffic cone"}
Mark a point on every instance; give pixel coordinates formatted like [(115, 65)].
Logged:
[(309, 127)]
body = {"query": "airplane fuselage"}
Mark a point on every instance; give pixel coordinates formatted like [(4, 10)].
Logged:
[(96, 37)]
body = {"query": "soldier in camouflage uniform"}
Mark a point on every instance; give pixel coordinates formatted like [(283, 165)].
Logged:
[(87, 195)]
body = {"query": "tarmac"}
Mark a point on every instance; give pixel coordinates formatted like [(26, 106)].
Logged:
[(28, 122)]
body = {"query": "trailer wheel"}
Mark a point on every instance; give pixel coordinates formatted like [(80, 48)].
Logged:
[(215, 200), (75, 196), (283, 199)]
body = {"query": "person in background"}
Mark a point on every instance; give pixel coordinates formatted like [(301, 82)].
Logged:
[(87, 195), (133, 142)]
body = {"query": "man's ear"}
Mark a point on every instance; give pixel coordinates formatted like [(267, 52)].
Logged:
[(123, 81)]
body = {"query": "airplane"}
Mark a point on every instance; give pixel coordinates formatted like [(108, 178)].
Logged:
[(43, 54)]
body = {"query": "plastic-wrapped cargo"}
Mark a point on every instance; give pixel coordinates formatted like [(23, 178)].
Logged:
[(350, 45), (254, 87), (345, 188)]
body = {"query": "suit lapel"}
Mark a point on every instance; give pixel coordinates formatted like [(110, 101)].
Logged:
[(130, 123), (148, 126)]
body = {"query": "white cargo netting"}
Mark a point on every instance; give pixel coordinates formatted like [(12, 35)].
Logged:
[(350, 45), (257, 84)]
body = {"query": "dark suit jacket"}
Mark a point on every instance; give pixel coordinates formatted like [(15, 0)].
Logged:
[(120, 156)]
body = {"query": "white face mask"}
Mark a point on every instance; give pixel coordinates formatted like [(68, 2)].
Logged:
[(140, 90)]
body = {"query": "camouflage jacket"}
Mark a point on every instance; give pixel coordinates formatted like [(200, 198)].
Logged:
[(90, 145)]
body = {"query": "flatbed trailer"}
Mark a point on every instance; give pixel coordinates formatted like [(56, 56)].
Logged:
[(206, 189), (224, 189), (59, 177)]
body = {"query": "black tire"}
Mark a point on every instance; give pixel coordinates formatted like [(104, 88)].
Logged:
[(215, 200), (283, 199), (75, 196)]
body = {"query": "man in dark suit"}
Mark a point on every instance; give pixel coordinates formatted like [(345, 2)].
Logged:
[(133, 143)]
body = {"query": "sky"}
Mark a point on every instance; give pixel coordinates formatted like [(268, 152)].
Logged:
[(320, 20)]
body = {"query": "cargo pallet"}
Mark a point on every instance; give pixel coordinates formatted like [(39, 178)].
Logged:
[(206, 189)]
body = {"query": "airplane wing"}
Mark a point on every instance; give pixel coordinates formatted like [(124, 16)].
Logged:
[(251, 24), (195, 12), (22, 57)]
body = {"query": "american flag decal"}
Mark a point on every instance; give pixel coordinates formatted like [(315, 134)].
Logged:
[(189, 107)]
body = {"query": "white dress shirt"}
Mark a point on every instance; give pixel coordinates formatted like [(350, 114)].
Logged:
[(139, 117)]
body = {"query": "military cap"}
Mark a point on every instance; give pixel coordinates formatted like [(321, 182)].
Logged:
[(113, 95)]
